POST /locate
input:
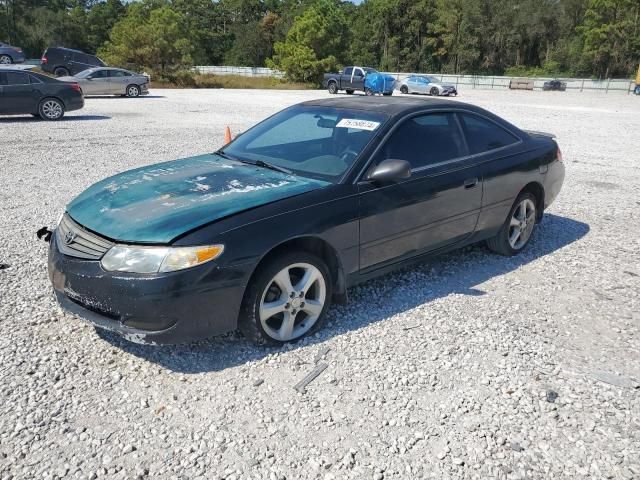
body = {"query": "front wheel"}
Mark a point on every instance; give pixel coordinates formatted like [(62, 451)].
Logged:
[(404, 89), (516, 232), (333, 88), (61, 72), (133, 91), (287, 299), (434, 91), (51, 109)]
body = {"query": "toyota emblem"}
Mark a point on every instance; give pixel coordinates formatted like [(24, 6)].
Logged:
[(70, 237)]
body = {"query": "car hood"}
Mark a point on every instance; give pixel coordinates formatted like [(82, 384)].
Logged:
[(158, 203)]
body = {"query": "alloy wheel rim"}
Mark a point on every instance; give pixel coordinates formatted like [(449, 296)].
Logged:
[(5, 60), (521, 224), (292, 302), (332, 88), (133, 91), (51, 109)]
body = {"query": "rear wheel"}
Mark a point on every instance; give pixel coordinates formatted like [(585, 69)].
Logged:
[(349, 92), (51, 109), (287, 299), (133, 91), (404, 89), (434, 91), (61, 72), (5, 60), (333, 88), (516, 232)]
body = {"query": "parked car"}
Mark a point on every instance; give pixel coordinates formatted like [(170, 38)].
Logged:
[(555, 85), (9, 54), (426, 85), (25, 92), (110, 81), (364, 79), (266, 232), (63, 62)]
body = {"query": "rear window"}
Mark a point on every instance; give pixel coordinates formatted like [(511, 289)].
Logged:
[(483, 135)]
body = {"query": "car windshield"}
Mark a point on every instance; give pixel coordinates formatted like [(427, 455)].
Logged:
[(311, 141), (86, 73)]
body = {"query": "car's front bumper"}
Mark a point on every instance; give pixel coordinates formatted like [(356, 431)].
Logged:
[(449, 91), (144, 89), (166, 308)]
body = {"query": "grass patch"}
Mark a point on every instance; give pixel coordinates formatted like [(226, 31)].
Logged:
[(188, 80)]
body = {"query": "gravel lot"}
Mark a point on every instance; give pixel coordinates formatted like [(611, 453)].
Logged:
[(470, 366)]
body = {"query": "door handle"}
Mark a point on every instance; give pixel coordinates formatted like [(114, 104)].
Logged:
[(470, 183)]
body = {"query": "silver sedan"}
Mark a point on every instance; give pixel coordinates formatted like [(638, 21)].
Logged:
[(110, 81), (427, 85)]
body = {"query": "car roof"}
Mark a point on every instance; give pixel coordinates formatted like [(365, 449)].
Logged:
[(69, 50), (389, 105)]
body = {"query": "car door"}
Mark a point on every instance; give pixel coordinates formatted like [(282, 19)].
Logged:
[(17, 93), (119, 80), (97, 83), (345, 78), (437, 206), (357, 79)]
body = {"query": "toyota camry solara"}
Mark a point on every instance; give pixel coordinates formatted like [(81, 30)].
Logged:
[(265, 233)]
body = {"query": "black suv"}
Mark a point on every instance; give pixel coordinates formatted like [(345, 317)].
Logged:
[(65, 61)]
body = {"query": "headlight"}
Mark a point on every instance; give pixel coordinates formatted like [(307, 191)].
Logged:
[(128, 258)]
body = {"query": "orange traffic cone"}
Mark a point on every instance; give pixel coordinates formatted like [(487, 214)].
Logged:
[(227, 135)]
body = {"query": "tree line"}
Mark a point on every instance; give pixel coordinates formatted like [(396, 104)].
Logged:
[(304, 38)]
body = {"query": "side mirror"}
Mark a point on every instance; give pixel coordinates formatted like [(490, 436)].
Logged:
[(390, 171)]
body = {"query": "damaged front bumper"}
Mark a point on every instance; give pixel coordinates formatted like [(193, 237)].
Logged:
[(168, 308)]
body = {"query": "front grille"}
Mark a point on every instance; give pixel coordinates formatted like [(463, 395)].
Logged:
[(75, 241)]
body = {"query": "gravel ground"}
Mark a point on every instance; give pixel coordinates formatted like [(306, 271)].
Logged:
[(470, 366)]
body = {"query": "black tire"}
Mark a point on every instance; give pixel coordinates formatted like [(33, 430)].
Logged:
[(404, 89), (434, 92), (5, 60), (51, 109), (368, 92), (249, 322), (332, 87), (133, 91), (349, 92), (500, 243), (387, 94), (61, 72)]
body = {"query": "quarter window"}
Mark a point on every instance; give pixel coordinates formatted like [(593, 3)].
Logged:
[(425, 140), (483, 135)]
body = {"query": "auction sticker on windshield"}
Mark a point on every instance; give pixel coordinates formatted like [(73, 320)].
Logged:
[(358, 124)]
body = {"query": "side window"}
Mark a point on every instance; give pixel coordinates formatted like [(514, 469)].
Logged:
[(425, 140), (484, 135), (348, 71), (359, 72), (17, 78), (99, 74), (119, 73)]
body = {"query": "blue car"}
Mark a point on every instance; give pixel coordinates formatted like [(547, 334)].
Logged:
[(265, 233), (10, 54)]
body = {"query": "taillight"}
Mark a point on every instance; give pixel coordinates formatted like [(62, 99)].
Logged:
[(559, 155), (43, 60), (76, 87)]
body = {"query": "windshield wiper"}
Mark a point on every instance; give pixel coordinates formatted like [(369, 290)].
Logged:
[(257, 163), (277, 168)]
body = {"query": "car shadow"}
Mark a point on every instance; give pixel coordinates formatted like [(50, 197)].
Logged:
[(458, 272), (68, 118)]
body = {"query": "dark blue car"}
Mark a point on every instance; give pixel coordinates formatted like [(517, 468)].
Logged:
[(265, 233)]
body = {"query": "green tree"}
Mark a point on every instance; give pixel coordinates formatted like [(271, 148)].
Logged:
[(314, 44)]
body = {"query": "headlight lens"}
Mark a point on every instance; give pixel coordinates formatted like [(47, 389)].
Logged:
[(128, 258)]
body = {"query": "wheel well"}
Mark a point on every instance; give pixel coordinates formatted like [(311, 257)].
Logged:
[(538, 191), (317, 247), (51, 97)]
